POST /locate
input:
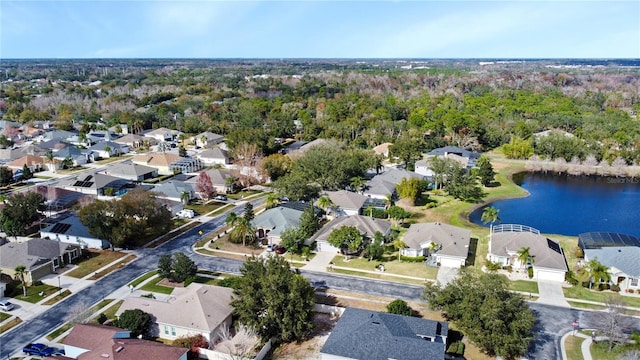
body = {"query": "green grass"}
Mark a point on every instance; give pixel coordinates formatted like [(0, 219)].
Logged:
[(581, 305), (99, 274), (572, 345), (33, 293), (600, 350), (205, 280), (524, 286), (59, 331), (579, 292), (142, 278), (242, 194), (4, 316), (111, 311), (58, 297), (9, 324), (392, 266), (203, 209), (152, 286), (378, 276), (97, 260)]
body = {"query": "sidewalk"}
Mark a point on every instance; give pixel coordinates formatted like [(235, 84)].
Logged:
[(585, 346)]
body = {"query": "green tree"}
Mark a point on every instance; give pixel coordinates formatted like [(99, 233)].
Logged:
[(399, 307), (182, 268), (20, 273), (594, 272), (284, 300), (324, 202), (482, 307), (346, 238), (485, 170), (271, 201), (248, 212), (309, 222), (399, 245), (136, 321), (182, 151), (277, 166), (292, 239), (375, 250), (26, 172), (410, 189), (6, 176), (165, 265), (490, 215), (297, 186), (243, 232), (231, 219), (20, 211), (407, 148), (518, 148), (357, 183), (398, 214), (524, 256)]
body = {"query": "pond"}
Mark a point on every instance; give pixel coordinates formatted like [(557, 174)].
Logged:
[(570, 205)]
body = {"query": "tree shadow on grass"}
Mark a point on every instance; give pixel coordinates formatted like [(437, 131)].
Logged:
[(473, 248)]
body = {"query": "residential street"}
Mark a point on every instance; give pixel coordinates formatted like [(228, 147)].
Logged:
[(553, 321)]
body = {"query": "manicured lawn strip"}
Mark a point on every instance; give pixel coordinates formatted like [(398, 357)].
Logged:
[(174, 233), (205, 280), (9, 324), (59, 331), (113, 267), (297, 257), (111, 311), (600, 350), (391, 267), (113, 159), (142, 278), (4, 316), (378, 276), (581, 305), (33, 293), (524, 285), (242, 194), (572, 346), (58, 297), (579, 292), (152, 286), (98, 260), (202, 209)]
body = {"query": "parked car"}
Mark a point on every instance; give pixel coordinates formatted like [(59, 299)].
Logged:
[(186, 214), (280, 249), (270, 247), (221, 197), (6, 305), (38, 349)]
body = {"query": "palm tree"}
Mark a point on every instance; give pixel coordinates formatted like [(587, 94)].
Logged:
[(231, 219), (399, 244), (490, 215), (325, 202), (185, 196), (271, 200), (594, 271), (243, 231), (20, 273), (48, 157), (357, 183), (524, 255), (388, 201)]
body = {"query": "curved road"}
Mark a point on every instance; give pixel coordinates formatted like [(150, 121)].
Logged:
[(552, 323)]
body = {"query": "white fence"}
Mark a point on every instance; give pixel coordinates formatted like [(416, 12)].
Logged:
[(502, 228)]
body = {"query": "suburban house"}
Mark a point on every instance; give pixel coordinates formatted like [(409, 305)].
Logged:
[(161, 161), (33, 162), (382, 149), (77, 156), (220, 179), (466, 158), (214, 156), (134, 141), (206, 139), (162, 134), (619, 252), (506, 240), (176, 190), (106, 149), (272, 222), (97, 184), (130, 171), (93, 341), (297, 149), (72, 230), (367, 226), (383, 185), (346, 203), (372, 335), (195, 309), (40, 257), (442, 244)]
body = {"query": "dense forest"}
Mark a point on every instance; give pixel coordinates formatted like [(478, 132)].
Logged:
[(592, 109)]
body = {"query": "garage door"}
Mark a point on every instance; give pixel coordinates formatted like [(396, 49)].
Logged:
[(326, 247), (550, 275), (449, 262)]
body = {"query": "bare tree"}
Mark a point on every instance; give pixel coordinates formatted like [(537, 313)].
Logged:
[(630, 355), (590, 164), (238, 344), (619, 167), (574, 167), (614, 322)]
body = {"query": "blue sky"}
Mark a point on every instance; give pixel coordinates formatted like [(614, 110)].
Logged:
[(319, 29)]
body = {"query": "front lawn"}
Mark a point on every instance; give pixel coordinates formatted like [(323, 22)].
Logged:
[(152, 286), (579, 292), (111, 311), (242, 194), (36, 293), (9, 324), (58, 297), (391, 267), (142, 278), (4, 316), (93, 261), (203, 209), (524, 286), (120, 264)]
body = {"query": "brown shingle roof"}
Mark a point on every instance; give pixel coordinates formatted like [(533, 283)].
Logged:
[(157, 159)]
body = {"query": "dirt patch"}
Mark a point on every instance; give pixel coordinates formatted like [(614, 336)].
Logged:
[(308, 349)]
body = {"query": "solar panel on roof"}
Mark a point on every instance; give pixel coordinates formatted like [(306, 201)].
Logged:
[(554, 246), (60, 228)]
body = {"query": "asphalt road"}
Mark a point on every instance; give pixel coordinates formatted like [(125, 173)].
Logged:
[(552, 322)]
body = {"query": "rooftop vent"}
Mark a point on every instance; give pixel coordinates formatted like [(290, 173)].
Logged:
[(120, 348)]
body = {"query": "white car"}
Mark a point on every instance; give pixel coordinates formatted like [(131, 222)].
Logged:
[(186, 213), (6, 305)]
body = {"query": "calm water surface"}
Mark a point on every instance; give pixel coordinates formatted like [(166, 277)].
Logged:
[(570, 205)]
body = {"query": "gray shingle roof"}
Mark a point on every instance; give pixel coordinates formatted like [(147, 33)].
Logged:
[(624, 258), (546, 253), (347, 200), (278, 219), (129, 169), (371, 335), (31, 253), (364, 224), (454, 240)]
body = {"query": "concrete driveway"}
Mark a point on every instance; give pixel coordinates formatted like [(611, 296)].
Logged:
[(447, 274), (550, 293), (25, 310)]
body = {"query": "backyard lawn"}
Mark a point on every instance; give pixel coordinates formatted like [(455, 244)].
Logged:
[(96, 260)]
